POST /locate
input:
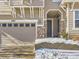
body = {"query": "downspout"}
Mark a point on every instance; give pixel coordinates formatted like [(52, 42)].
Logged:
[(67, 15)]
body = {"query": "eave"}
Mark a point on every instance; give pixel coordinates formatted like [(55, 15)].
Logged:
[(70, 2)]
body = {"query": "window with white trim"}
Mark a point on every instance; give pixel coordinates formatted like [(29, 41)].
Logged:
[(76, 19)]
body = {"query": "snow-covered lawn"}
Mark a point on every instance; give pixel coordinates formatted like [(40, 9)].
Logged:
[(56, 40), (44, 53), (47, 53)]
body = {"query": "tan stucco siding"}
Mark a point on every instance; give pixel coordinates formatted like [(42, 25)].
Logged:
[(25, 2), (76, 6), (36, 13), (37, 3), (50, 5), (3, 17), (71, 30), (18, 13), (27, 13)]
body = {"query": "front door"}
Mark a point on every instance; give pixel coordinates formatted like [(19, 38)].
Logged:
[(49, 28)]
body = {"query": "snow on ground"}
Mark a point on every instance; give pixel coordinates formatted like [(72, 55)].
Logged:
[(56, 40), (44, 53)]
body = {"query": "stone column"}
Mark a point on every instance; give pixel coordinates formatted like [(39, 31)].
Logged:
[(42, 30), (62, 25)]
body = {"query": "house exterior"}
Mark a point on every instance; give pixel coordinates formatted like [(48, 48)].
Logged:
[(24, 21), (47, 18), (72, 18), (64, 15)]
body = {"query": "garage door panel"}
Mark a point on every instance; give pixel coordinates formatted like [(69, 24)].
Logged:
[(25, 34)]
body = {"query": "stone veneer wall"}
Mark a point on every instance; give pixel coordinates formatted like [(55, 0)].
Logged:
[(62, 26), (42, 30)]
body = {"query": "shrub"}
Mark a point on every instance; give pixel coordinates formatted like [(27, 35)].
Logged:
[(64, 35)]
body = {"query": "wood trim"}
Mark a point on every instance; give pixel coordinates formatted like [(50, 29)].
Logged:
[(30, 12), (54, 10), (67, 29), (14, 12), (21, 12), (73, 5), (39, 12), (18, 21)]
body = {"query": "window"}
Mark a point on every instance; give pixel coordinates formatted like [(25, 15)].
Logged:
[(3, 25), (76, 19), (0, 24), (56, 0), (33, 25), (15, 25), (27, 25), (9, 25), (21, 25)]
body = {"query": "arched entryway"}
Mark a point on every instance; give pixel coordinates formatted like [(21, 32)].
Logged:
[(53, 23)]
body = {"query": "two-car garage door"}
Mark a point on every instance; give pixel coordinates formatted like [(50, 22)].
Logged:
[(23, 30)]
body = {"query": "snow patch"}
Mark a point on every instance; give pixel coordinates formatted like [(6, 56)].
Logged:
[(44, 53), (56, 40)]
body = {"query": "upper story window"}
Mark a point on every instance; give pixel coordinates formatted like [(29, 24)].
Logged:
[(56, 0), (76, 19)]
